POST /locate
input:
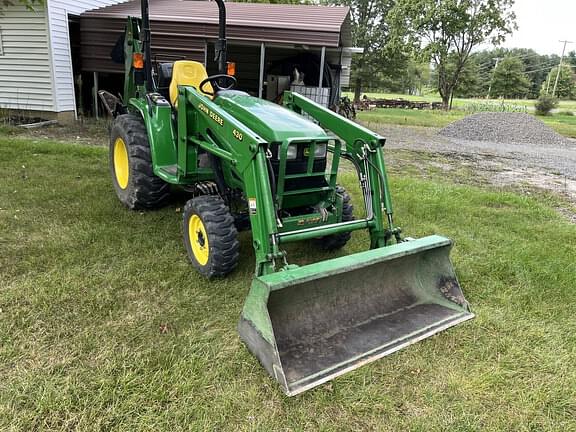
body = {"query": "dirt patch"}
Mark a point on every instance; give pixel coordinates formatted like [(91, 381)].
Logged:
[(85, 131)]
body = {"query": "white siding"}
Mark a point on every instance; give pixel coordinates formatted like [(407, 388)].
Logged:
[(346, 65), (25, 71), (58, 11)]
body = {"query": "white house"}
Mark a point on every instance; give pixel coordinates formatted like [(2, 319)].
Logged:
[(36, 73)]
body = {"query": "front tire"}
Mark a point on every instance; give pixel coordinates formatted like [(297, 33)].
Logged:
[(210, 236), (131, 165), (337, 241)]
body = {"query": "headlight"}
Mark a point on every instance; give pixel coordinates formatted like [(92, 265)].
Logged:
[(292, 152), (320, 151)]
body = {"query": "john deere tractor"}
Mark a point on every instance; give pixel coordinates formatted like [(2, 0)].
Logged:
[(251, 164)]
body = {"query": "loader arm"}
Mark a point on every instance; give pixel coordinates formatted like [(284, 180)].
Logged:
[(364, 149), (203, 124)]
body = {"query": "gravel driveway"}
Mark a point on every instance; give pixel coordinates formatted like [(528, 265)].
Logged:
[(549, 166)]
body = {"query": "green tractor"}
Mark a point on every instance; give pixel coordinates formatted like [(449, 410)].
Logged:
[(252, 164)]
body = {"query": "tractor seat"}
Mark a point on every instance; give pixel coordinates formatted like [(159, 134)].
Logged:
[(164, 79), (187, 73)]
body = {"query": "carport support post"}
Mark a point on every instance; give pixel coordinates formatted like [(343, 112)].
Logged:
[(322, 59), (261, 81), (96, 94)]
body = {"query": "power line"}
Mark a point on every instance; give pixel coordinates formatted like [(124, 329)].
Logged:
[(566, 42), (545, 63), (497, 60), (548, 68), (489, 63)]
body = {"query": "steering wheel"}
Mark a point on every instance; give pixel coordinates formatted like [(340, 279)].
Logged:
[(215, 81)]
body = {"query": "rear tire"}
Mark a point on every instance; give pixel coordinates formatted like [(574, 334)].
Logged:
[(338, 241), (210, 236), (131, 165)]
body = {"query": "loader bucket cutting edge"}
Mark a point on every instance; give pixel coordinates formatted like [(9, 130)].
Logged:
[(313, 323)]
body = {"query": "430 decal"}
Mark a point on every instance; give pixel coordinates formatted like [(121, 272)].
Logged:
[(237, 134)]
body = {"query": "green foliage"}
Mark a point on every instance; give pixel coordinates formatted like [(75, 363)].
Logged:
[(566, 82), (509, 80), (545, 104), (381, 58), (491, 106), (469, 81), (448, 29), (536, 67), (411, 80)]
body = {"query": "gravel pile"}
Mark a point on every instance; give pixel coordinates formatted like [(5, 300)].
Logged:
[(503, 128)]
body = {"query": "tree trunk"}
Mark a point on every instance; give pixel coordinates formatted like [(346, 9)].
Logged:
[(442, 87), (357, 89), (445, 101)]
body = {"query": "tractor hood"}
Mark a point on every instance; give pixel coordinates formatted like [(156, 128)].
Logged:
[(272, 122)]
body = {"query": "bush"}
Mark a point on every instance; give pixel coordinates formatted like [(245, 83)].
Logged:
[(545, 104), (567, 113)]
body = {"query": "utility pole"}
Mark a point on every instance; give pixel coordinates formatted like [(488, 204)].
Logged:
[(497, 59), (565, 42)]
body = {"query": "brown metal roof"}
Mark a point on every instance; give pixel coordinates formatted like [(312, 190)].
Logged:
[(275, 16), (181, 27)]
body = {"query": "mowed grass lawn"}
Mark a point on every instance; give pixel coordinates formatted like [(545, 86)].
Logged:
[(462, 102), (561, 123), (105, 326)]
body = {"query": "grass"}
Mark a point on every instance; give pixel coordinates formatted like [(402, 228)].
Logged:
[(561, 123), (105, 326), (406, 117), (461, 102)]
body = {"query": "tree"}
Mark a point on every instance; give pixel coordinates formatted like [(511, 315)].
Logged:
[(571, 58), (415, 76), (565, 88), (370, 31), (469, 81), (451, 29), (509, 79), (536, 67)]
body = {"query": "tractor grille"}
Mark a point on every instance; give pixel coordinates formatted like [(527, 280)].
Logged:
[(299, 166)]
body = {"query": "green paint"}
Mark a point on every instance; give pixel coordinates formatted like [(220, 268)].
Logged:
[(269, 120), (256, 310), (242, 134), (280, 280)]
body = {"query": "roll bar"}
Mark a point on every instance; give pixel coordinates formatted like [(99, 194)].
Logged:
[(220, 48)]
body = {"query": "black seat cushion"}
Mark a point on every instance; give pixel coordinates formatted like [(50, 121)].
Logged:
[(164, 78)]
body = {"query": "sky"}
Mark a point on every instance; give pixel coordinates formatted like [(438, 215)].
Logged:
[(542, 24)]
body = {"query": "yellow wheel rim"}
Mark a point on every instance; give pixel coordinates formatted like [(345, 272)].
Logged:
[(121, 167), (198, 239)]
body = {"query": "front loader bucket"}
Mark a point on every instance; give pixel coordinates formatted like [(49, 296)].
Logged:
[(313, 323)]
